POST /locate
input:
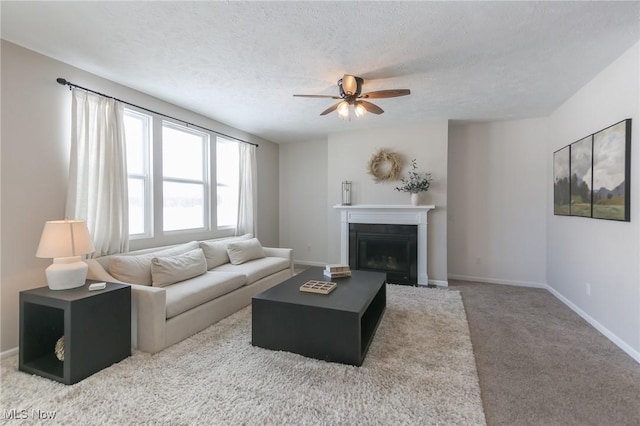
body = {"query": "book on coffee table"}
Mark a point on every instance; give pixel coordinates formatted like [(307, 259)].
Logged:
[(336, 271), (337, 274)]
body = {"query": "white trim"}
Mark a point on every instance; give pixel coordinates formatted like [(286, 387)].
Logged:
[(147, 176), (9, 353), (601, 328), (384, 207), (439, 283), (387, 214), (498, 281)]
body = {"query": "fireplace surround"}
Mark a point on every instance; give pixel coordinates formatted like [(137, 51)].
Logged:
[(383, 214)]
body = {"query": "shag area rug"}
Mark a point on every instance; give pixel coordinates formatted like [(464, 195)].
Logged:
[(420, 369)]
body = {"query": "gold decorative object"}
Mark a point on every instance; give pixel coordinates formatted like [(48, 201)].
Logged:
[(385, 166), (59, 349), (320, 287)]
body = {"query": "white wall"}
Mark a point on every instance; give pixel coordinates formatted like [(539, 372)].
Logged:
[(349, 153), (303, 200), (603, 253), (35, 134), (497, 202)]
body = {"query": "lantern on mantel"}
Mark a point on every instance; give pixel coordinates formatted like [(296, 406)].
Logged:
[(346, 193)]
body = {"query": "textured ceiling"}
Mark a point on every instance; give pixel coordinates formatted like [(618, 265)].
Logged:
[(240, 62)]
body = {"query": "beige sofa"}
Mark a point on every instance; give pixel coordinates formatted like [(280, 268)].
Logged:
[(167, 307)]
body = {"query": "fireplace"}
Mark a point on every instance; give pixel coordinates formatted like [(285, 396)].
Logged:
[(386, 248), (382, 214)]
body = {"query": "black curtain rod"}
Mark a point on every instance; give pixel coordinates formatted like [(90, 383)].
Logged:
[(64, 82)]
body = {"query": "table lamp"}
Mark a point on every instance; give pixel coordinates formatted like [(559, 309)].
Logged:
[(65, 241)]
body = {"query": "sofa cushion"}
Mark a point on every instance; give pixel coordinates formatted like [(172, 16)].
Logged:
[(167, 270), (216, 251), (137, 269), (188, 294), (244, 251), (256, 269)]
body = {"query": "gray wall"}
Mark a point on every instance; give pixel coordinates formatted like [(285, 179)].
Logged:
[(497, 207), (303, 200), (604, 254)]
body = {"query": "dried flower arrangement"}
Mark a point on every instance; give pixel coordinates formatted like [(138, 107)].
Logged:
[(384, 166)]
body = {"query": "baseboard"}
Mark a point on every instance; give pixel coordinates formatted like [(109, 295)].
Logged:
[(9, 353), (601, 328), (439, 283), (308, 263), (498, 281)]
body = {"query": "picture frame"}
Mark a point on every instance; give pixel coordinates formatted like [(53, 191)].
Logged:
[(592, 176), (612, 172), (561, 183), (581, 166)]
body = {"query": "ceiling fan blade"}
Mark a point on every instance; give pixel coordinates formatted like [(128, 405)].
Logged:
[(372, 108), (318, 96), (331, 108), (393, 93)]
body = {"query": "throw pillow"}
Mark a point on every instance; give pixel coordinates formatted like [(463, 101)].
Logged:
[(243, 251), (216, 251), (167, 270), (137, 269)]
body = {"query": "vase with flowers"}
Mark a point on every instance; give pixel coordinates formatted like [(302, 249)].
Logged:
[(415, 183)]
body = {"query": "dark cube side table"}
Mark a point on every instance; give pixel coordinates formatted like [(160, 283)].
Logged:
[(96, 326)]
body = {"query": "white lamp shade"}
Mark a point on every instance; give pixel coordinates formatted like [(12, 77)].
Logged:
[(65, 238)]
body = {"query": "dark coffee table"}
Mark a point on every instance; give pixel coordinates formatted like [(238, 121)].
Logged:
[(336, 327)]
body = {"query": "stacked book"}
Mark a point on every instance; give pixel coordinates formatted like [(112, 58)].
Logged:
[(337, 271)]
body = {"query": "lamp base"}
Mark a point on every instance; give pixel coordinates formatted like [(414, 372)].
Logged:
[(66, 272)]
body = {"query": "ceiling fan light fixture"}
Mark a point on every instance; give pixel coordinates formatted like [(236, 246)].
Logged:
[(359, 109), (343, 110), (349, 84), (350, 88)]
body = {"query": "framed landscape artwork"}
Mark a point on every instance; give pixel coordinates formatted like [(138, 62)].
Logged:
[(611, 172), (561, 190), (591, 177), (581, 167)]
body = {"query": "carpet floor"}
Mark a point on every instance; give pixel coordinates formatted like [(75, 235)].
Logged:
[(539, 363), (420, 369)]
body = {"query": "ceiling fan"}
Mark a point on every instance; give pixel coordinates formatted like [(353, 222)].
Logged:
[(350, 88)]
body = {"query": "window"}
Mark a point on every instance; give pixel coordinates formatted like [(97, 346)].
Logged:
[(185, 173), (172, 182), (138, 141), (228, 175)]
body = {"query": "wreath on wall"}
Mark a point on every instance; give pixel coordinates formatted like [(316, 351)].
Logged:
[(385, 166)]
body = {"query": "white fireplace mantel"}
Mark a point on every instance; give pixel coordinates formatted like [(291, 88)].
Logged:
[(387, 215)]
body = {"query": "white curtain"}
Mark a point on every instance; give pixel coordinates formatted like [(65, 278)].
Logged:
[(98, 183), (248, 186)]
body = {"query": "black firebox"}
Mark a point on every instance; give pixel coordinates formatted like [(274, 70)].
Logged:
[(385, 248)]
